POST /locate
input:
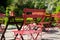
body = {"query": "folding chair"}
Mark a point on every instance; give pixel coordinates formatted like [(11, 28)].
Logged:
[(31, 14), (36, 13), (30, 31)]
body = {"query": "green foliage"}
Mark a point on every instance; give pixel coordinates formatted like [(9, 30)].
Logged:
[(58, 7), (2, 9), (55, 4), (18, 12), (19, 19), (47, 19), (29, 4), (41, 5), (9, 2), (7, 11), (6, 20), (38, 20), (19, 9)]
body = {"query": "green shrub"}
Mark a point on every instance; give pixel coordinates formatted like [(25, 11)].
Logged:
[(2, 9)]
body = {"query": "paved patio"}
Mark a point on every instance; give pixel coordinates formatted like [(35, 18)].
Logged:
[(51, 35)]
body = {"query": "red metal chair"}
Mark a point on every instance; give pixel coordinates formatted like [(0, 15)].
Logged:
[(32, 14), (36, 13)]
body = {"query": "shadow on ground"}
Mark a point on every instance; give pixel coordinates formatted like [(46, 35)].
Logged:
[(47, 39), (52, 31)]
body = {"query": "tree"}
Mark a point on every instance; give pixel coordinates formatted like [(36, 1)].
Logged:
[(53, 3), (21, 4)]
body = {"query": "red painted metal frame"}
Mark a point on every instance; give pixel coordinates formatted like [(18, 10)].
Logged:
[(41, 15), (31, 32)]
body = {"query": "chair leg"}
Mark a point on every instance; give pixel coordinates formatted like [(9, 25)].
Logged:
[(15, 36), (18, 38), (22, 37), (35, 37), (3, 38)]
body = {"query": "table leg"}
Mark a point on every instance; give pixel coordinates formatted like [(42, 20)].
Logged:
[(3, 37), (19, 28)]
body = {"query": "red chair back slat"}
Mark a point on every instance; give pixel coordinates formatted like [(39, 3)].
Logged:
[(35, 13), (33, 10)]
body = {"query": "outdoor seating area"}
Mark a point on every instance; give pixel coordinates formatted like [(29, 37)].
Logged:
[(32, 27), (30, 20)]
